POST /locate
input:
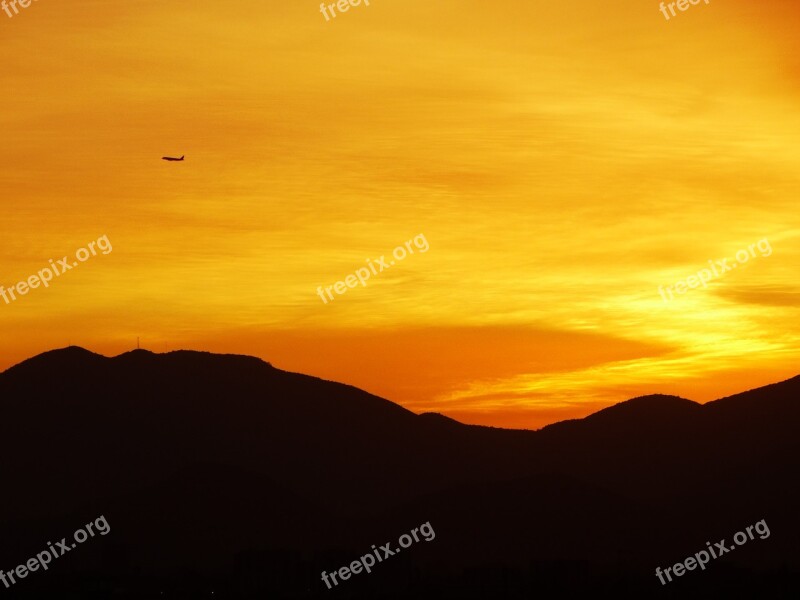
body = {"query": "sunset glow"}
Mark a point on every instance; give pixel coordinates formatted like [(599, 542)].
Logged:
[(563, 161)]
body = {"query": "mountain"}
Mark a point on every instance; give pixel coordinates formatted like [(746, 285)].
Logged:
[(223, 473)]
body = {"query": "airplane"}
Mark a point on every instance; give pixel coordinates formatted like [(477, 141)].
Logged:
[(171, 158)]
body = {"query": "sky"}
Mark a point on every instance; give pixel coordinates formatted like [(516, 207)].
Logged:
[(565, 164)]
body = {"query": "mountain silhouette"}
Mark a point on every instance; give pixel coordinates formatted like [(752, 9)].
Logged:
[(223, 473)]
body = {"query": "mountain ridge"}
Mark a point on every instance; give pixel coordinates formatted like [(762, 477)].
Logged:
[(76, 355), (230, 465)]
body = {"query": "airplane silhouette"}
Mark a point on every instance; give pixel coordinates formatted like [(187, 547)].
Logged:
[(171, 158)]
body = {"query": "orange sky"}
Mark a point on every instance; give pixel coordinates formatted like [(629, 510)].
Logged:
[(563, 161)]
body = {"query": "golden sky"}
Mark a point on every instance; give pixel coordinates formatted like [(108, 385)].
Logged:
[(562, 159)]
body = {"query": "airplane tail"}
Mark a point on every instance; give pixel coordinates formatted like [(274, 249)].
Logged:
[(182, 156)]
